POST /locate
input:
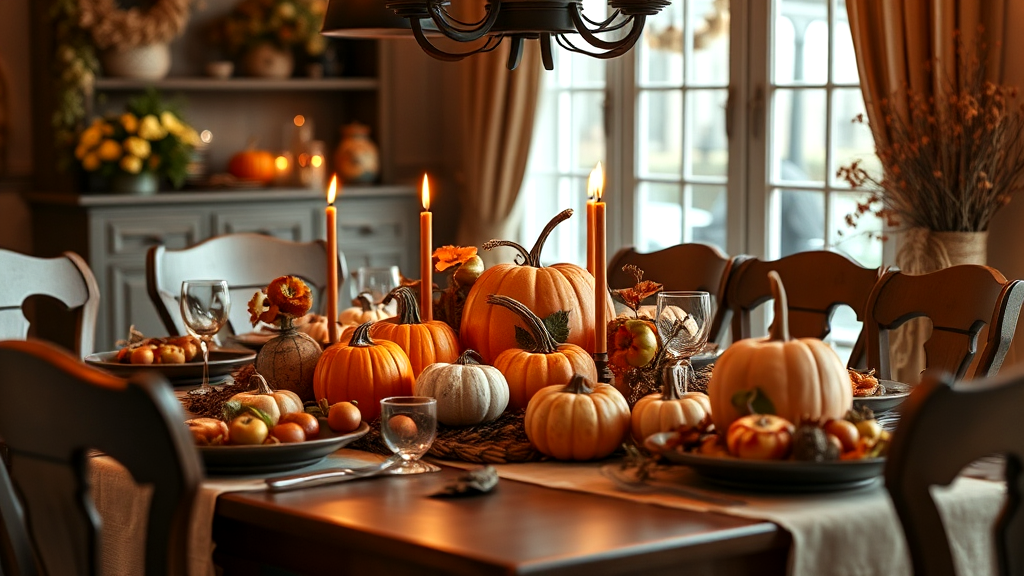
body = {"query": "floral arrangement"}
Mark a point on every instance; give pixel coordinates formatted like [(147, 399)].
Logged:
[(285, 24), (949, 162), (281, 302), (112, 27), (467, 267), (74, 70), (147, 137)]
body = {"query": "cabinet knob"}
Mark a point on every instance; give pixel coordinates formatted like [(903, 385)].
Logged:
[(365, 230), (153, 239)]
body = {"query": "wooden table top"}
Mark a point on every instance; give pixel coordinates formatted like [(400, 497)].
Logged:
[(389, 525)]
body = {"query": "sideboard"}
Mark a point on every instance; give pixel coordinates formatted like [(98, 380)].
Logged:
[(376, 227)]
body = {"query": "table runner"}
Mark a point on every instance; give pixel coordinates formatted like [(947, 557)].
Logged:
[(123, 506), (846, 533)]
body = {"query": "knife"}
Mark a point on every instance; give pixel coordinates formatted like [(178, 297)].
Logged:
[(329, 476)]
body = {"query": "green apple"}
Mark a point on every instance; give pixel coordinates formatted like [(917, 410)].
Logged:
[(635, 342)]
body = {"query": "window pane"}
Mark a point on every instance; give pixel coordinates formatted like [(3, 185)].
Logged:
[(852, 139), (708, 63), (862, 242), (812, 67), (660, 215), (707, 144), (543, 197), (797, 221), (658, 132), (844, 60), (705, 217), (798, 137), (660, 51), (587, 129), (801, 47)]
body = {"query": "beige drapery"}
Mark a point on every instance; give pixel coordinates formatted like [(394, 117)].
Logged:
[(500, 108), (910, 45)]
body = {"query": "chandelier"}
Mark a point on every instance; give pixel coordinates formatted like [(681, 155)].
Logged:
[(517, 20)]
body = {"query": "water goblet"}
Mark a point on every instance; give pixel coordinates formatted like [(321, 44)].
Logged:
[(204, 309), (684, 321), (377, 281), (408, 425)]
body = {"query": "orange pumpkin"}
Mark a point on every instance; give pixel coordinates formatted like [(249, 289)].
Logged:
[(545, 363), (544, 290), (363, 370), (424, 342), (252, 164)]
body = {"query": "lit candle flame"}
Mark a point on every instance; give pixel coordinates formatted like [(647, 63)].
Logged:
[(316, 161), (425, 194), (595, 185), (332, 190)]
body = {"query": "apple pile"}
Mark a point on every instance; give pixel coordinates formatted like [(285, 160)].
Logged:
[(169, 350)]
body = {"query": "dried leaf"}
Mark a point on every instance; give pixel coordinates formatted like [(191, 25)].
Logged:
[(524, 339), (558, 325)]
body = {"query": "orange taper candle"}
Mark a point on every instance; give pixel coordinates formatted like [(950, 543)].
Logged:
[(591, 215), (332, 262), (426, 260), (596, 184)]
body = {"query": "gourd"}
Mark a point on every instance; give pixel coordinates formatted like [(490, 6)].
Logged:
[(252, 164), (543, 289), (362, 370), (316, 328), (796, 379), (424, 342), (467, 392), (543, 363), (275, 403), (669, 410), (363, 310), (577, 421)]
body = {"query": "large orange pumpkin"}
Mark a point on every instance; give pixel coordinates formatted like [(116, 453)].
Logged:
[(252, 164), (363, 370), (424, 342), (543, 289), (545, 363)]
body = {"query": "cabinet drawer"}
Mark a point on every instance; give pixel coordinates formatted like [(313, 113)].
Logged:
[(294, 224), (376, 222), (135, 234)]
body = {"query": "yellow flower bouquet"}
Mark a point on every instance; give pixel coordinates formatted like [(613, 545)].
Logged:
[(147, 137)]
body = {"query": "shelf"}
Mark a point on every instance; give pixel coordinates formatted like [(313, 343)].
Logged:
[(241, 84), (194, 196)]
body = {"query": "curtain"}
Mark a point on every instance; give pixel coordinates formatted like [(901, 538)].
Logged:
[(909, 45), (500, 107)]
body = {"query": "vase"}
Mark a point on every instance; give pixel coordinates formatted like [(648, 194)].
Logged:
[(922, 251), (141, 184), (356, 158), (288, 361), (267, 61), (147, 62)]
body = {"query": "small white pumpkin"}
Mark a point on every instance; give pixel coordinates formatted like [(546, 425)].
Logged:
[(467, 391), (363, 310), (275, 403), (669, 410)]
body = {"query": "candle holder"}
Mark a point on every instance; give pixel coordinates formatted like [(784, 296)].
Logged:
[(604, 374)]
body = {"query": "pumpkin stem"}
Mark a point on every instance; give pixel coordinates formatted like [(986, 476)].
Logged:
[(490, 244), (543, 342), (578, 385), (364, 301), (262, 386), (779, 330), (408, 307), (361, 336), (670, 377), (532, 258), (470, 358)]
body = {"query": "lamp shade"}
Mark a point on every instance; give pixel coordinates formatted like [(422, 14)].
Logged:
[(363, 19)]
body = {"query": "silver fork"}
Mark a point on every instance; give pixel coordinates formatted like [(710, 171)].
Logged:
[(627, 482), (329, 476)]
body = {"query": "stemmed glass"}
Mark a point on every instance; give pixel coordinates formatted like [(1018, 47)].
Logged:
[(377, 281), (409, 426), (204, 308), (684, 321)]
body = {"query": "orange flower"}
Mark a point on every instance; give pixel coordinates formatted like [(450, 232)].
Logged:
[(261, 310), (643, 288), (291, 295), (448, 256)]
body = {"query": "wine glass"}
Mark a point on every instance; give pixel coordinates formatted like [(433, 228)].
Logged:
[(377, 281), (204, 308), (409, 426), (684, 321)]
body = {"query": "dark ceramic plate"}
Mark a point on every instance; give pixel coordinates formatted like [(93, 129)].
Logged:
[(222, 364), (272, 458), (891, 395), (771, 475)]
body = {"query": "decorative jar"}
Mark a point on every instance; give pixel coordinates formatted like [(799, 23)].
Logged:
[(356, 158), (288, 361)]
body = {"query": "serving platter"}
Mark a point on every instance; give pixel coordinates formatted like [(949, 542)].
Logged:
[(269, 458), (222, 363), (771, 475), (893, 394)]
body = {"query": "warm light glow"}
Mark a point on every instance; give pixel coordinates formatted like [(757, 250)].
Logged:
[(316, 161), (595, 185), (332, 190), (425, 194), (206, 136), (299, 120), (304, 159), (281, 162)]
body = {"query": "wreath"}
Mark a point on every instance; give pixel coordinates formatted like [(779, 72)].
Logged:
[(112, 27)]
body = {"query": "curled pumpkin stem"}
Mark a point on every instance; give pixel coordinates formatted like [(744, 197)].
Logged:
[(544, 343), (532, 258), (361, 336), (579, 385), (408, 307), (470, 358)]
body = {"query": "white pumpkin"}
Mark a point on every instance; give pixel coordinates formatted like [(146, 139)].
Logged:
[(467, 392), (363, 310), (668, 410)]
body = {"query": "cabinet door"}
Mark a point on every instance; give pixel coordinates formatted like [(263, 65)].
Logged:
[(294, 224), (127, 303), (378, 232), (131, 233)]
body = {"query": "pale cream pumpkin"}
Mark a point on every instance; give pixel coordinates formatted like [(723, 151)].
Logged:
[(802, 378), (275, 403), (467, 391), (577, 421), (669, 410), (363, 310)]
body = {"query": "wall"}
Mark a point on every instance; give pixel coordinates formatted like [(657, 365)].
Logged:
[(15, 231)]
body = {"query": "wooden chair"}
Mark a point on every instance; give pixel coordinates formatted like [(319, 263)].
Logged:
[(816, 282), (960, 301), (136, 421), (247, 261), (691, 266), (926, 450), (66, 278)]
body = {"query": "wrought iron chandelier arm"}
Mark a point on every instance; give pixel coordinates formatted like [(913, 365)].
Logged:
[(620, 46), (426, 46), (473, 30), (603, 23), (613, 49)]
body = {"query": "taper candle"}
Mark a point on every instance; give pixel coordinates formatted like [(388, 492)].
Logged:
[(332, 262), (591, 214), (426, 260), (600, 263)]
